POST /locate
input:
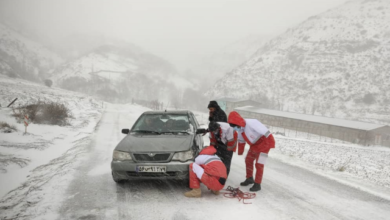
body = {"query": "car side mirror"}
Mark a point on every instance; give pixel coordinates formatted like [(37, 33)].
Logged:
[(125, 131), (201, 131)]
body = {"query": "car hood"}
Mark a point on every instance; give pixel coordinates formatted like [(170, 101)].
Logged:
[(155, 143)]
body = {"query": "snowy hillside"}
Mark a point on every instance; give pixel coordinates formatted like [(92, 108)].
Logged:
[(227, 58), (333, 64), (123, 71), (23, 58)]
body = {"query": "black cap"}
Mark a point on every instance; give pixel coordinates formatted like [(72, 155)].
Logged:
[(213, 104), (213, 126)]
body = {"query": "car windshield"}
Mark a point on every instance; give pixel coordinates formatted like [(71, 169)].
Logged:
[(164, 123)]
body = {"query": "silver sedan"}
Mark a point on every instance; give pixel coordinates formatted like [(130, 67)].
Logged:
[(161, 144)]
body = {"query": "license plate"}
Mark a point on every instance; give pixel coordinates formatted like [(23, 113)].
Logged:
[(152, 169)]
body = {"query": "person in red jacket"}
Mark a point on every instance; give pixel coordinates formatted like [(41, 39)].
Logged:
[(260, 140), (209, 170)]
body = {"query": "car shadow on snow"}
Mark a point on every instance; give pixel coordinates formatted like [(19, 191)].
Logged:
[(148, 189), (136, 194)]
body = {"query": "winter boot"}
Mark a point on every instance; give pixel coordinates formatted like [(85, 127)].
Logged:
[(215, 192), (256, 187), (247, 181), (196, 193)]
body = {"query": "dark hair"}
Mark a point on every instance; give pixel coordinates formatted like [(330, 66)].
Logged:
[(213, 126), (233, 125)]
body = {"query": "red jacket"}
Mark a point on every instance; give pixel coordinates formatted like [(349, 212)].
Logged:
[(252, 132), (214, 167), (227, 134)]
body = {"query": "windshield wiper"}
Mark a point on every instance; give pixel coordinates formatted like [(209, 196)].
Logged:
[(182, 132), (147, 131), (167, 132)]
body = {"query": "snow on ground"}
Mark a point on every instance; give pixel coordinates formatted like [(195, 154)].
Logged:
[(37, 168), (368, 163), (364, 162), (289, 192), (365, 168), (31, 162)]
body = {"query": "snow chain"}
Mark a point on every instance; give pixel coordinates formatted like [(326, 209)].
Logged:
[(237, 193)]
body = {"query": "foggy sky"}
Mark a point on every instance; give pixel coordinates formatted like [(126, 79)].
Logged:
[(180, 31)]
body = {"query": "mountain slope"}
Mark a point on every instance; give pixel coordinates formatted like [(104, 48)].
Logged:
[(227, 58), (335, 64), (118, 72), (21, 57)]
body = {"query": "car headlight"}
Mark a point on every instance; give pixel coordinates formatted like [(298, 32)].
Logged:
[(120, 155), (183, 156)]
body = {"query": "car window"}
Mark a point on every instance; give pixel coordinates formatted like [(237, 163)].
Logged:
[(193, 120), (148, 123), (164, 123)]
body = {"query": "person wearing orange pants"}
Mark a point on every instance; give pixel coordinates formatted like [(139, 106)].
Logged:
[(209, 170), (260, 140)]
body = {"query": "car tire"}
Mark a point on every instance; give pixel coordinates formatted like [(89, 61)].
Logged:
[(117, 179)]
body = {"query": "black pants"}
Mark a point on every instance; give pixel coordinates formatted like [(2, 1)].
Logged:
[(226, 157)]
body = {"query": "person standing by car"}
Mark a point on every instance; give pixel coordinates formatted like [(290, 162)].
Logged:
[(216, 113), (208, 169), (224, 139), (260, 141)]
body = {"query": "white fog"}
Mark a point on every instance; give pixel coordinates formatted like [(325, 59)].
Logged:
[(108, 107)]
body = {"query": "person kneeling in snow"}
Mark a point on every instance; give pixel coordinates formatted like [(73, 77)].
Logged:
[(208, 169)]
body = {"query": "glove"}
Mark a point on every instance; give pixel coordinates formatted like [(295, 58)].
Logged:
[(202, 131), (241, 147)]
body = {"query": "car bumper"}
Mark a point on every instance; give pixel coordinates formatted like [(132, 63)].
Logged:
[(128, 170)]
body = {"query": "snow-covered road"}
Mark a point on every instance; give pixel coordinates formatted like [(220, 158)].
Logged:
[(288, 192)]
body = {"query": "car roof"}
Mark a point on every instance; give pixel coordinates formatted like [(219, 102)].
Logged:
[(175, 112)]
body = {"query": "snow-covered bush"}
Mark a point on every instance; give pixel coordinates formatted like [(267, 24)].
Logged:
[(44, 113), (6, 128)]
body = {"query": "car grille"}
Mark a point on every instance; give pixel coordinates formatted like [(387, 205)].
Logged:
[(154, 158)]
